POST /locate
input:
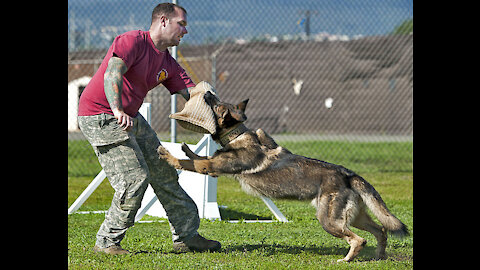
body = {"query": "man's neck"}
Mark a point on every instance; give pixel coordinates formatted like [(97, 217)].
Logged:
[(156, 41)]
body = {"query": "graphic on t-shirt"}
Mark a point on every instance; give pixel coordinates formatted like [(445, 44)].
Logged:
[(162, 75)]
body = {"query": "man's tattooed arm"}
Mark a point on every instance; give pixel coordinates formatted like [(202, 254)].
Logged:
[(112, 82)]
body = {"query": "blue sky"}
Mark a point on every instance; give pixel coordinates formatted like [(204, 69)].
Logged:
[(218, 19)]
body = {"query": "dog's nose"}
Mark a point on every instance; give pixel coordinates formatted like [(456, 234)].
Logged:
[(209, 98)]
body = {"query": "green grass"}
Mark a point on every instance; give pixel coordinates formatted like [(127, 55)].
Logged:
[(82, 160), (299, 244), (357, 156)]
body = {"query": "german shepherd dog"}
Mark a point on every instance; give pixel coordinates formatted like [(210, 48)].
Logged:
[(264, 168)]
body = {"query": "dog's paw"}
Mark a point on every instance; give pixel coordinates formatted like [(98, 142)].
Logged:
[(212, 174), (163, 152), (188, 152), (185, 148), (165, 155)]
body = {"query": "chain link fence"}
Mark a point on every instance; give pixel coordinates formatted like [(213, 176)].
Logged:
[(328, 79)]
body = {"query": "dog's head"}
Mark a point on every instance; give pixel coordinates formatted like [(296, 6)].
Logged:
[(227, 115)]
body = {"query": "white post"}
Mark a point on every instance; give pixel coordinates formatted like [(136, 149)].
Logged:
[(274, 209), (146, 112), (173, 126), (210, 206), (173, 101)]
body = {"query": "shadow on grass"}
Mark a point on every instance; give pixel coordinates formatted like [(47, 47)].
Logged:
[(229, 214), (367, 254), (270, 249)]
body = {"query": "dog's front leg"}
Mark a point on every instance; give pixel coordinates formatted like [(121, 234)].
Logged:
[(203, 166), (190, 154)]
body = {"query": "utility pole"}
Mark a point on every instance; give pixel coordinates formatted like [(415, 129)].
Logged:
[(307, 23), (72, 32), (308, 13)]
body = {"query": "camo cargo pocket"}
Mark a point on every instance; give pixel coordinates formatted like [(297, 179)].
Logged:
[(126, 170), (133, 189), (120, 157), (102, 129)]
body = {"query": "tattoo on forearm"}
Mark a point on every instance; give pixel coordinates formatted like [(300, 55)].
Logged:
[(113, 82)]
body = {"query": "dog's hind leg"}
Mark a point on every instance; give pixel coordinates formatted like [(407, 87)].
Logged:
[(364, 222), (356, 245), (333, 214)]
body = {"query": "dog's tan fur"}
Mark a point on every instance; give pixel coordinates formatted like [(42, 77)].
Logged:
[(265, 168)]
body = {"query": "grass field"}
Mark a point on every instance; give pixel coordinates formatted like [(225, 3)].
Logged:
[(357, 156), (299, 244)]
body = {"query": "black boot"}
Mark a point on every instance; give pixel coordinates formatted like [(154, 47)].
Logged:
[(196, 243)]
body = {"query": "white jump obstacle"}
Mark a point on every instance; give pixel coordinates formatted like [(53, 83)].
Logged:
[(201, 188)]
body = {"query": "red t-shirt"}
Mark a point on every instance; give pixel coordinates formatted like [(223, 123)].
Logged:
[(147, 67)]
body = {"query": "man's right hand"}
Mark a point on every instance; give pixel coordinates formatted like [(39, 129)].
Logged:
[(123, 119)]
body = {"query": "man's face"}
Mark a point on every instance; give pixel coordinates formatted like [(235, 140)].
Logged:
[(175, 27)]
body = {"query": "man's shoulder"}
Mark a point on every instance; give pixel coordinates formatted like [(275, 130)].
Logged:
[(134, 34), (131, 40)]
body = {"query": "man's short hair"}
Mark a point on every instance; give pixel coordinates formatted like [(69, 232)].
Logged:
[(166, 9)]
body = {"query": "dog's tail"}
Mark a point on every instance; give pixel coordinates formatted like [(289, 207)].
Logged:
[(375, 203)]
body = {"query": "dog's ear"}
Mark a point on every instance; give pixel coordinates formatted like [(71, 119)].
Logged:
[(242, 105), (238, 113)]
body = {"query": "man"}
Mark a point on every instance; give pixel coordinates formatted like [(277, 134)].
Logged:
[(124, 142)]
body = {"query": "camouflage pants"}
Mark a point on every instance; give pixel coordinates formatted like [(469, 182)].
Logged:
[(131, 162)]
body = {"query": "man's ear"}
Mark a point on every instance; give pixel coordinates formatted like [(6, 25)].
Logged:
[(163, 21), (242, 105)]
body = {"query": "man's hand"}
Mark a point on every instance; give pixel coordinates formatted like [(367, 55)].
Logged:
[(185, 93), (123, 119)]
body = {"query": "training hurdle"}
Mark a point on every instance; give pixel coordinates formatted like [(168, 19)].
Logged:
[(201, 188)]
